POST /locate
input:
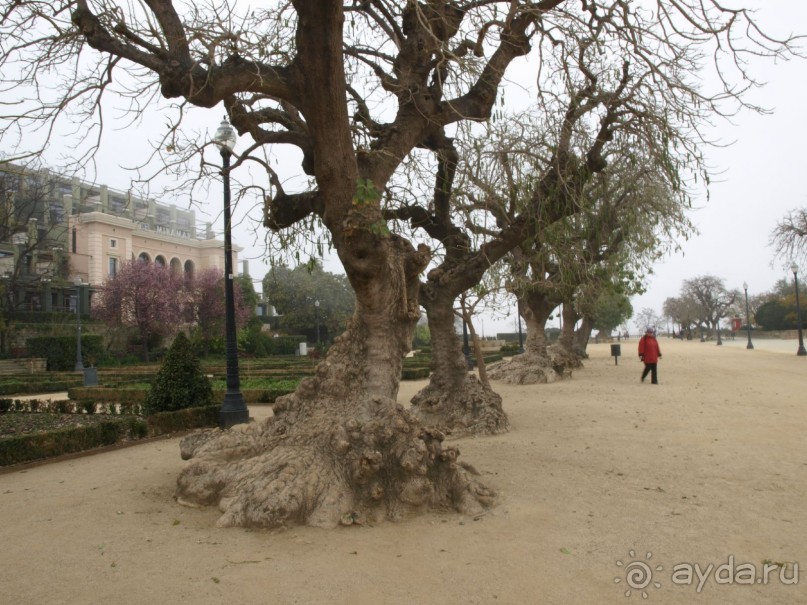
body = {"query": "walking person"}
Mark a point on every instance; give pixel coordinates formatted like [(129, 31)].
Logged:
[(649, 353)]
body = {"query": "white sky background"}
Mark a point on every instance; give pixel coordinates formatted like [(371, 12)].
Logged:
[(756, 181)]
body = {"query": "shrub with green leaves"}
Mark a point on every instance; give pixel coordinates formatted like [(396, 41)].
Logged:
[(180, 382)]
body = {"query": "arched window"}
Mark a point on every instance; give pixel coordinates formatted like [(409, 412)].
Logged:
[(144, 258)]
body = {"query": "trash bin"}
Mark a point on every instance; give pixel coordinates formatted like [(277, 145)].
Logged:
[(616, 352), (90, 377), (303, 349)]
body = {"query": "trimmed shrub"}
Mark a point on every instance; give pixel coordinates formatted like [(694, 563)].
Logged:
[(180, 383), (60, 351), (414, 373), (183, 420), (26, 448)]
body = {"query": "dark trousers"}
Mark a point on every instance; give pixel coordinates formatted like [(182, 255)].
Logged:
[(650, 368)]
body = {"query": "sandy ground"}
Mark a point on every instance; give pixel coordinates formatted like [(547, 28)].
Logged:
[(601, 479)]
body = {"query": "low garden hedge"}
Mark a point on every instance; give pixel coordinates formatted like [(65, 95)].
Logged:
[(27, 448), (138, 396)]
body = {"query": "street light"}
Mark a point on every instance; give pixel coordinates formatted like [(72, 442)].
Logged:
[(750, 345), (234, 409), (795, 268), (79, 362)]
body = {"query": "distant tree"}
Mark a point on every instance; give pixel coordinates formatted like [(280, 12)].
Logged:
[(249, 297), (776, 315), (30, 232), (143, 296), (776, 310), (205, 305), (294, 292), (714, 301), (422, 336), (647, 318), (180, 383), (611, 309), (682, 310)]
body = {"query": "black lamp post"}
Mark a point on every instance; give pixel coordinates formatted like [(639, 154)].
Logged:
[(750, 345), (234, 409), (79, 362), (795, 268), (316, 311), (717, 329)]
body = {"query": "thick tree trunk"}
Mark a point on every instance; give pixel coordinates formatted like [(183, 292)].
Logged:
[(455, 400), (564, 358), (535, 364), (582, 336), (481, 368), (570, 318), (340, 449)]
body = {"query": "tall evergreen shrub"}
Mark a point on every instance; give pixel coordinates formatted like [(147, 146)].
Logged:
[(180, 383)]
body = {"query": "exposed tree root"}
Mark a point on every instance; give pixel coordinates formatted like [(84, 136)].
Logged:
[(471, 409), (528, 369), (376, 463), (564, 360)]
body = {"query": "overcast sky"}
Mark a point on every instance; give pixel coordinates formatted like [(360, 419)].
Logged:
[(757, 180)]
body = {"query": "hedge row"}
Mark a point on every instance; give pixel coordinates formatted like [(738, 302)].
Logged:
[(138, 396), (414, 373), (27, 448), (67, 441), (66, 406), (60, 351), (13, 387)]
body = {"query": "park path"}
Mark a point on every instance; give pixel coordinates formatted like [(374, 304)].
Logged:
[(598, 473)]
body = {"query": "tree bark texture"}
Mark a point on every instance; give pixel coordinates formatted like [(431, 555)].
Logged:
[(582, 336), (563, 355), (454, 399), (535, 365), (339, 449)]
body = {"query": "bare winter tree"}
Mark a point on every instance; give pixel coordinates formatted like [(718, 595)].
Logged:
[(789, 237), (355, 88), (714, 301), (32, 235)]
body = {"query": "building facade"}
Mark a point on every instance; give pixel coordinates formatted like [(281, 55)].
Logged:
[(56, 232)]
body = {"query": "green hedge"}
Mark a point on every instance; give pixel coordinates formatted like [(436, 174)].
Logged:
[(414, 373), (138, 396), (182, 420), (67, 441), (28, 448), (60, 351), (14, 386)]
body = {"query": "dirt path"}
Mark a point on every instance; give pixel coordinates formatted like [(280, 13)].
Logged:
[(708, 467)]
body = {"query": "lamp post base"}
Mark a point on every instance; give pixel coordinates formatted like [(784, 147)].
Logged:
[(233, 411), (801, 351), (749, 346)]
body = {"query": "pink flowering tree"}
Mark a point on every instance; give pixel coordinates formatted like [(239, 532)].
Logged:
[(205, 306), (143, 296)]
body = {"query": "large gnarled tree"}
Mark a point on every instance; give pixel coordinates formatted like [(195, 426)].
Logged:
[(356, 87)]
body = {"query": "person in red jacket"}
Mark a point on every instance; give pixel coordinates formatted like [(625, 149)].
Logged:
[(649, 353)]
